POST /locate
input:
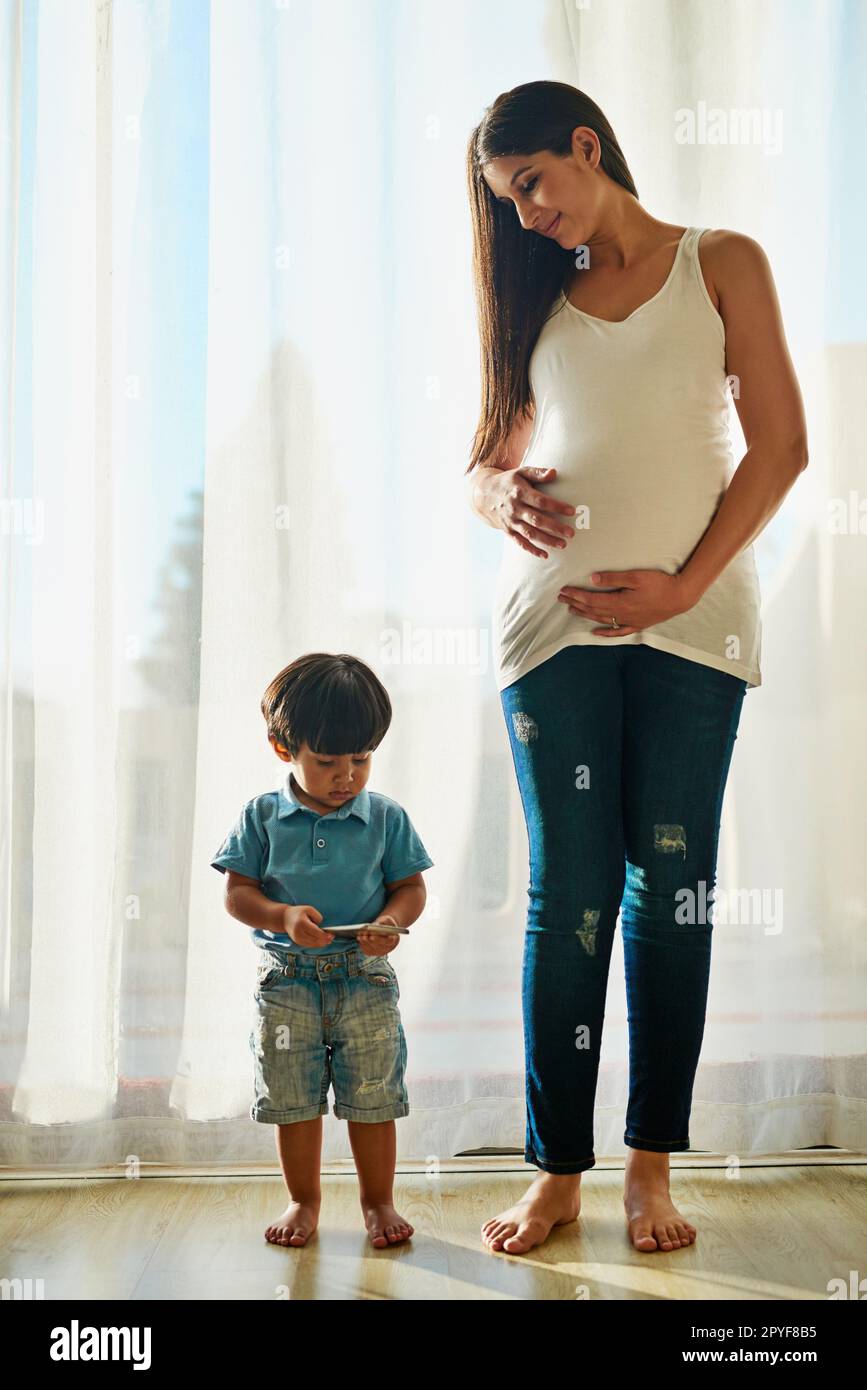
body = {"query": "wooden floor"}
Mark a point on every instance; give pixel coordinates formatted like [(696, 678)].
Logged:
[(781, 1229)]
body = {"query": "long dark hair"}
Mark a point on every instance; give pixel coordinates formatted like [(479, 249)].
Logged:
[(517, 275)]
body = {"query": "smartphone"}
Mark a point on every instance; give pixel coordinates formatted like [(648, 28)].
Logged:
[(378, 927)]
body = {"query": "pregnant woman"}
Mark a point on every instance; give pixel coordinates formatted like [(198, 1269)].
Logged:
[(627, 612)]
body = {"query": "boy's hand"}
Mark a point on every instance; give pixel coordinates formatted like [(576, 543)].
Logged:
[(374, 944), (299, 923)]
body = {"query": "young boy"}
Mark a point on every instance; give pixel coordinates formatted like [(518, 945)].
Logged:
[(323, 851)]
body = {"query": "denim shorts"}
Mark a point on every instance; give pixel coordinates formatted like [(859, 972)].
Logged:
[(327, 1020)]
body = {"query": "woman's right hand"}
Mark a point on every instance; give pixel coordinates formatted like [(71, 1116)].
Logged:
[(511, 503), (299, 923)]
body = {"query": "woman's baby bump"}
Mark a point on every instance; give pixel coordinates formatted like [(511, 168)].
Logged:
[(627, 516)]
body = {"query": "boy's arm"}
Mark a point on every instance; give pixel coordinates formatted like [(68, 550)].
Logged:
[(246, 902), (406, 900)]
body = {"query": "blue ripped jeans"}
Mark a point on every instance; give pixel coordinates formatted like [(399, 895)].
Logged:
[(621, 755)]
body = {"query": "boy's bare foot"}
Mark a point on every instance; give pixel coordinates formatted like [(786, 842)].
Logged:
[(294, 1225), (552, 1199), (654, 1221), (385, 1226)]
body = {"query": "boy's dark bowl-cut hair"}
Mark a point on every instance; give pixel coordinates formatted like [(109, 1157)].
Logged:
[(333, 703)]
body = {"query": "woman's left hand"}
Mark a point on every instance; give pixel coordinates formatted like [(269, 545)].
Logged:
[(645, 597)]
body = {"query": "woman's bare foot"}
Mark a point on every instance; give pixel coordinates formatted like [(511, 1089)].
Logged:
[(294, 1225), (654, 1221), (552, 1199), (385, 1226)]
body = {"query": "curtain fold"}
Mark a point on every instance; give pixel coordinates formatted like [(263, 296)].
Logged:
[(240, 378)]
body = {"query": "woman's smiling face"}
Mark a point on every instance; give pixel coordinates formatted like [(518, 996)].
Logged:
[(554, 196)]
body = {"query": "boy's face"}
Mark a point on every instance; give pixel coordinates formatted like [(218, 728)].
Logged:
[(329, 779)]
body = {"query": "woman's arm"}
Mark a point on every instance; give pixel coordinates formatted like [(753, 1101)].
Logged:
[(767, 399), (514, 451), (502, 494)]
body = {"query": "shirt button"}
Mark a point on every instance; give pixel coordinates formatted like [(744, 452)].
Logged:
[(320, 843)]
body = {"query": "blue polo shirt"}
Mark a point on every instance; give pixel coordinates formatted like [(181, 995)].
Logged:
[(338, 861)]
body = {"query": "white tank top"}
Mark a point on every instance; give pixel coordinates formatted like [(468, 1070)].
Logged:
[(634, 417)]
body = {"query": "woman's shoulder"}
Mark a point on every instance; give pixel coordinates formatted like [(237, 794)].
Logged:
[(726, 257)]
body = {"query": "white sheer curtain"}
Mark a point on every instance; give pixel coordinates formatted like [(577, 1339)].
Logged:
[(240, 376)]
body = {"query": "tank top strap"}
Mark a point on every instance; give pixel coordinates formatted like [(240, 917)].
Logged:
[(688, 277), (688, 250)]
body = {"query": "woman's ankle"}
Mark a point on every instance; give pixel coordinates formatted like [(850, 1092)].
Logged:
[(647, 1163)]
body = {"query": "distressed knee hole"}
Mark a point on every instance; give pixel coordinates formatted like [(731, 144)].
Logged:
[(367, 1086), (526, 728), (587, 931), (669, 839)]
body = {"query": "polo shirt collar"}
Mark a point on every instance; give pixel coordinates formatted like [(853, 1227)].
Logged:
[(358, 806)]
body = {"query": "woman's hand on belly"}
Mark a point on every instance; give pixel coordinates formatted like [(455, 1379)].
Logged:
[(642, 599), (532, 518)]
